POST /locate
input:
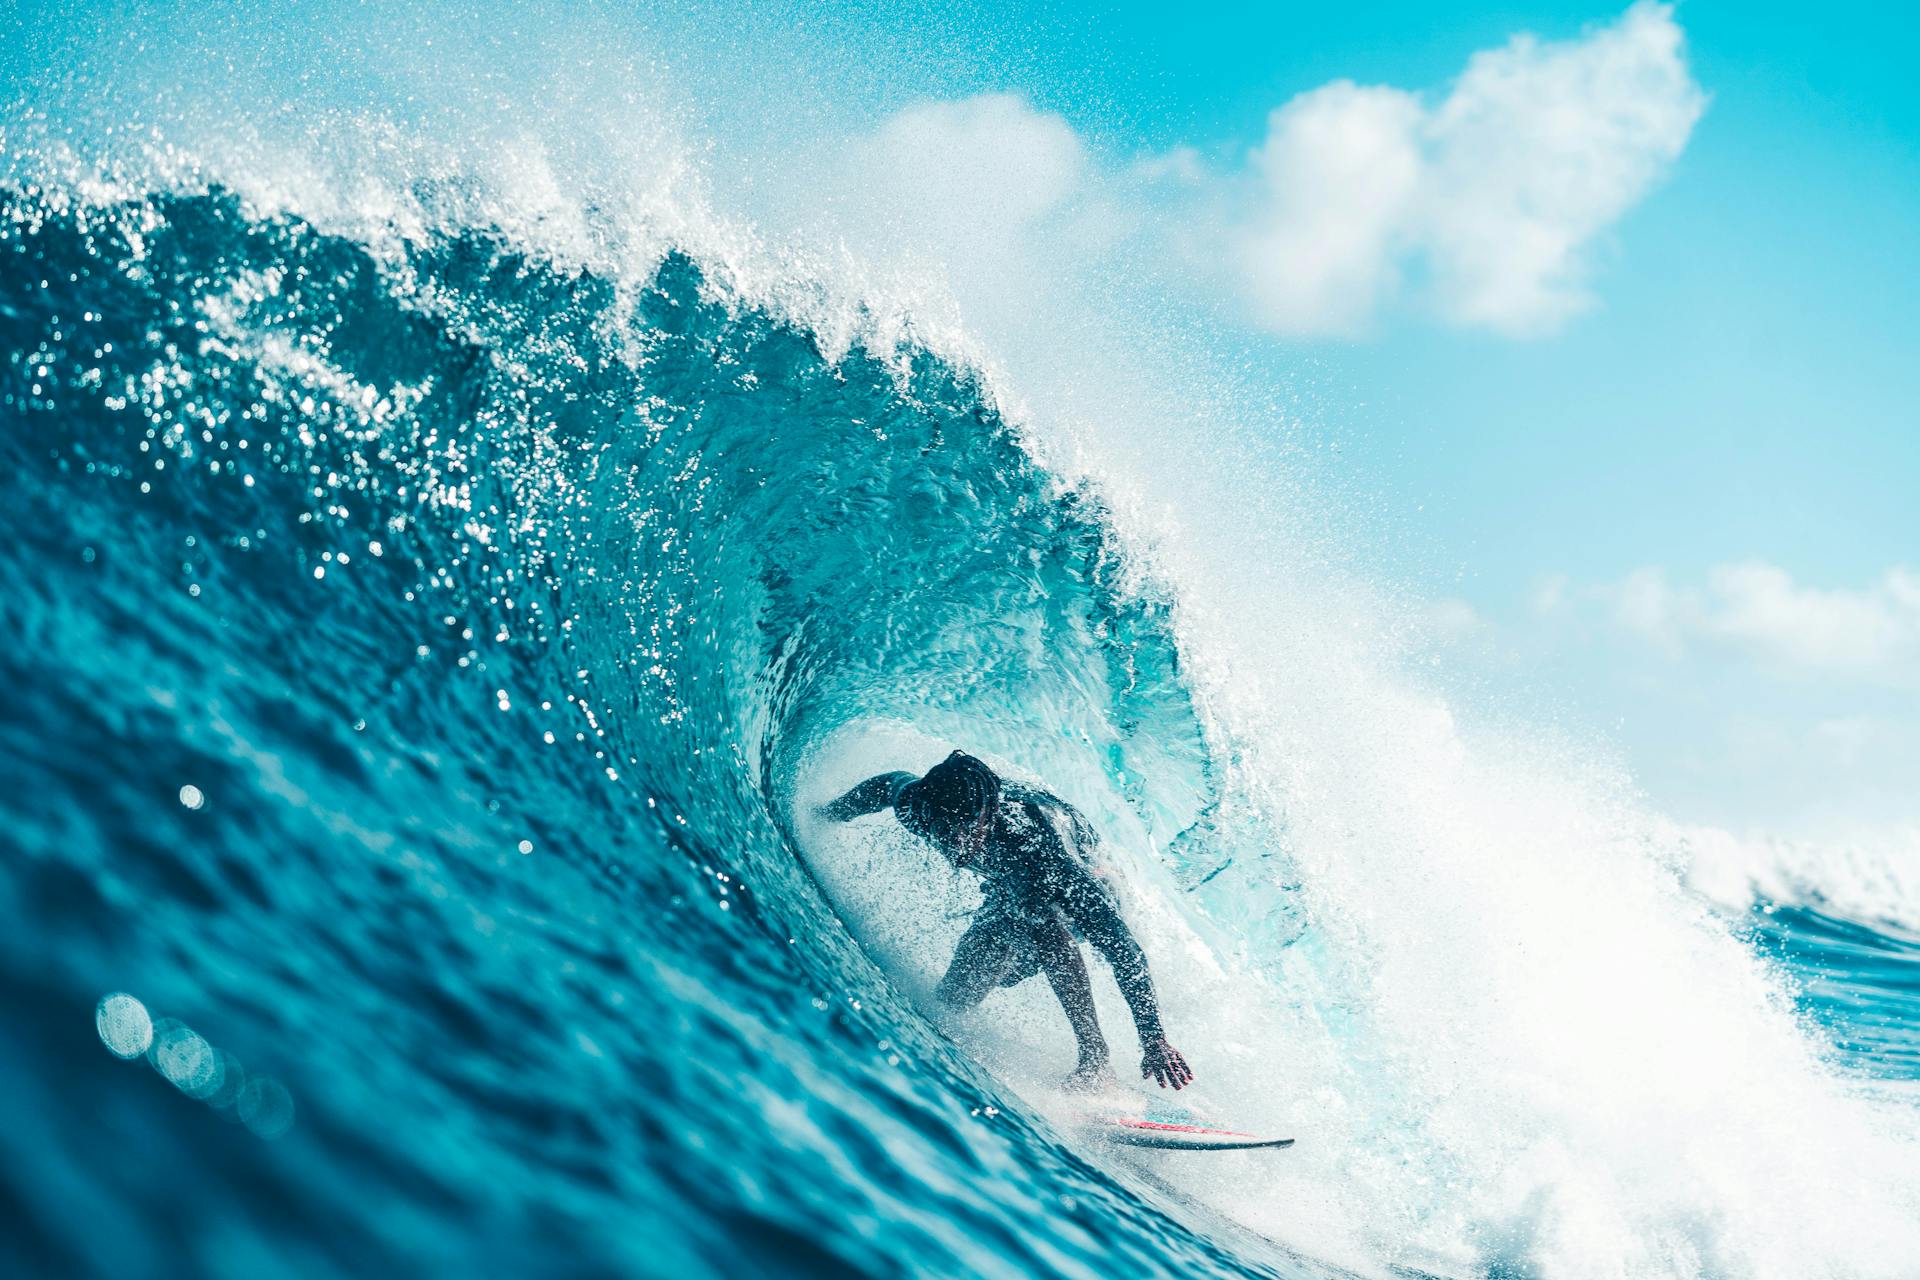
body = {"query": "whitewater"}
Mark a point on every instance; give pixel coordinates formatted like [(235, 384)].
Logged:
[(458, 541)]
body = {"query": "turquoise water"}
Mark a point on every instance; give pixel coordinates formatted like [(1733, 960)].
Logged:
[(1859, 983), (482, 685), (426, 647)]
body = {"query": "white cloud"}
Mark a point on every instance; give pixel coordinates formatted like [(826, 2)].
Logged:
[(1541, 147), (1869, 633), (984, 206), (1499, 190), (973, 175), (1492, 198), (1335, 181), (1643, 602), (1760, 607), (1450, 620)]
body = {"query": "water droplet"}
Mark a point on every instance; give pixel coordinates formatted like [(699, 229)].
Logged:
[(124, 1025), (184, 1057), (265, 1107)]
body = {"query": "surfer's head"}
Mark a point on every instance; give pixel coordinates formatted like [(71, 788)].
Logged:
[(952, 805)]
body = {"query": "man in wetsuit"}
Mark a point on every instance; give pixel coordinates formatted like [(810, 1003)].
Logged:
[(1031, 851)]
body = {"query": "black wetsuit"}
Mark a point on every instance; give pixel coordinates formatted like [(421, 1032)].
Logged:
[(1040, 893)]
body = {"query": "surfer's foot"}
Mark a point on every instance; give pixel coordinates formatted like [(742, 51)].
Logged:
[(1092, 1077)]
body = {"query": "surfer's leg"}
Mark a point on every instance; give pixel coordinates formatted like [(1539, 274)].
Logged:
[(987, 956)]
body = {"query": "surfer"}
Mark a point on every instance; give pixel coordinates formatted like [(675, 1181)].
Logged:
[(1032, 852)]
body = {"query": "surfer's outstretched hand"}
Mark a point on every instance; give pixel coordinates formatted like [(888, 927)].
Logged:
[(1163, 1065)]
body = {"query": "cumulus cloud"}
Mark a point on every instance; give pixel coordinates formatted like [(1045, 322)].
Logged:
[(1760, 607), (1483, 206), (984, 204), (1449, 620), (1499, 190), (1541, 147), (1318, 243), (1869, 633), (972, 176), (1767, 699)]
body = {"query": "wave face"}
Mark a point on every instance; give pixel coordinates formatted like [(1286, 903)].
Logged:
[(425, 655), (487, 608)]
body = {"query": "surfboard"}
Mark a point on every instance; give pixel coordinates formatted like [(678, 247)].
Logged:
[(1133, 1131)]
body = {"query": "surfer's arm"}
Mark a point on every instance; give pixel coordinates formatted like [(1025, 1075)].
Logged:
[(871, 796), (1102, 926), (1100, 922)]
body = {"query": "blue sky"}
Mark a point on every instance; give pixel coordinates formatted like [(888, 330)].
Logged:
[(1747, 385), (1748, 382), (1680, 517)]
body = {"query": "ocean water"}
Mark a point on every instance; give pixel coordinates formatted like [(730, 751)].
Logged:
[(433, 614)]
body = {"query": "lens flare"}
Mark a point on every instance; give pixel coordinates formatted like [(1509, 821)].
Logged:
[(124, 1025)]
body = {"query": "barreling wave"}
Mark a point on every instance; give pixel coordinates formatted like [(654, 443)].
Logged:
[(428, 647), (493, 606)]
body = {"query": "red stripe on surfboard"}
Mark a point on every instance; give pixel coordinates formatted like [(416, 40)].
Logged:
[(1181, 1128)]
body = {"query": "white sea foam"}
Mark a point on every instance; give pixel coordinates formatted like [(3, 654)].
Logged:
[(1871, 876)]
